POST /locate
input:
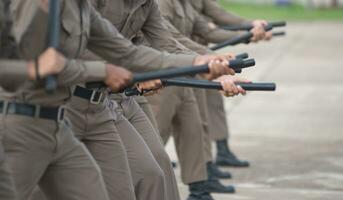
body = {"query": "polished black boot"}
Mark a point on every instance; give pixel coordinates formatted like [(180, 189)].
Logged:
[(197, 192), (214, 172), (226, 158), (174, 164), (215, 186)]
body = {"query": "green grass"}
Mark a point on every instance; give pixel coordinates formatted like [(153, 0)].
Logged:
[(290, 13)]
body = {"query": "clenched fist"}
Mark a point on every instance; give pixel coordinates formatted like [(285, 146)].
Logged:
[(117, 78)]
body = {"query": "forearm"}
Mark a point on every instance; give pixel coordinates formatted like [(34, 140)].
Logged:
[(12, 74), (79, 71), (218, 35), (110, 45), (221, 16)]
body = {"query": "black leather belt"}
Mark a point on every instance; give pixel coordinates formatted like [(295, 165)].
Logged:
[(92, 96), (50, 113)]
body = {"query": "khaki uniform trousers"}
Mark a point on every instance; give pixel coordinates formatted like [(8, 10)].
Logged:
[(94, 125), (144, 104), (139, 120), (176, 109), (45, 152), (218, 126), (200, 95), (7, 189), (148, 178)]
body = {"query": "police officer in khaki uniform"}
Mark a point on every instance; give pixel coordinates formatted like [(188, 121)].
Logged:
[(96, 131), (182, 16), (70, 46), (130, 18), (217, 125), (38, 143), (130, 26), (14, 73)]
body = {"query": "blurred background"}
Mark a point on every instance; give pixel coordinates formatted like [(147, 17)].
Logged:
[(293, 136)]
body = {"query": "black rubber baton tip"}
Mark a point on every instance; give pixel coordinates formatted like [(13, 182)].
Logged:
[(258, 86), (281, 33), (249, 63), (242, 56), (278, 24)]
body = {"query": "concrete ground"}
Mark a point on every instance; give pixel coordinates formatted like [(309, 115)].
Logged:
[(294, 136)]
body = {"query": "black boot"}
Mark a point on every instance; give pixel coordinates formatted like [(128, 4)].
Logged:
[(197, 192), (214, 172), (226, 158), (174, 164), (214, 186)]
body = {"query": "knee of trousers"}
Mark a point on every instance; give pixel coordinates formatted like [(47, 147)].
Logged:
[(152, 172), (161, 156)]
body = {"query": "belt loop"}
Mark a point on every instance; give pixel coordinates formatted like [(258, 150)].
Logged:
[(37, 111), (60, 114), (7, 107), (4, 108)]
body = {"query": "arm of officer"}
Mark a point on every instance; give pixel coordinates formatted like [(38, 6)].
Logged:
[(220, 15), (107, 42), (13, 73), (211, 34), (167, 10), (187, 42), (157, 34)]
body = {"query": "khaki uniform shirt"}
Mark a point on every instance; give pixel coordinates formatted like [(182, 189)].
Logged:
[(11, 72), (215, 13), (186, 20), (81, 28), (133, 17)]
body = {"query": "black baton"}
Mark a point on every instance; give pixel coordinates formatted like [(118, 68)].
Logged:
[(53, 39), (203, 84), (237, 65), (238, 39), (248, 27)]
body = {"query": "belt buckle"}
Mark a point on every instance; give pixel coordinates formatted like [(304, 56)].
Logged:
[(60, 114), (92, 101)]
